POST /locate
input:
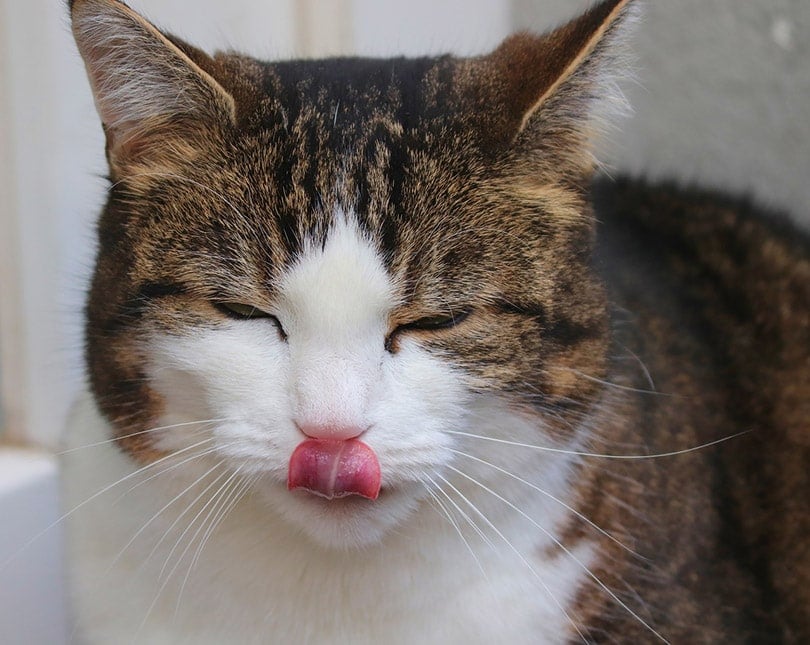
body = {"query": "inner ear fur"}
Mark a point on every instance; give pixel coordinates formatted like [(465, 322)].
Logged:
[(145, 85)]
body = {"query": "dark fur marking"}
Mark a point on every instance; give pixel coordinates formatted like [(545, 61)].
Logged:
[(561, 330)]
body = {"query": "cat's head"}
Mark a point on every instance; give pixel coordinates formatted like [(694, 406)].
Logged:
[(393, 250)]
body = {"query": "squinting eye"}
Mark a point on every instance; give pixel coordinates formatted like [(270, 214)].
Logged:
[(431, 323), (428, 323), (241, 311)]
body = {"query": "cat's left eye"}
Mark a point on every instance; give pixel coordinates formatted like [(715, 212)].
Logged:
[(426, 323), (441, 321)]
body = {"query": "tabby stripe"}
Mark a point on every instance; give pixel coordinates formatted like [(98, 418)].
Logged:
[(154, 290), (132, 308), (563, 330)]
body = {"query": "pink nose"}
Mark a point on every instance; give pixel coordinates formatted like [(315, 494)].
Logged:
[(335, 432)]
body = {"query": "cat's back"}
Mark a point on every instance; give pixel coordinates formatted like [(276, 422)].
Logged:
[(733, 275), (721, 289)]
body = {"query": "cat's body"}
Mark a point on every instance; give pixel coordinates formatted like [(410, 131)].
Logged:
[(395, 261), (712, 295)]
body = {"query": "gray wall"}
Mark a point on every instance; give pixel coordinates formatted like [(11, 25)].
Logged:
[(722, 97)]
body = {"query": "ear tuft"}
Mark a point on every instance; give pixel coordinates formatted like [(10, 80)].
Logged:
[(141, 80)]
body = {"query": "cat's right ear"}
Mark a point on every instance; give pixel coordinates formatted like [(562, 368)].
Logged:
[(146, 87)]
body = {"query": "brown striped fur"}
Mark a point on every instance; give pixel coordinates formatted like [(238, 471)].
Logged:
[(472, 178)]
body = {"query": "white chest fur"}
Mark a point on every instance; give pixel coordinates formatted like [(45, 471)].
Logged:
[(259, 581)]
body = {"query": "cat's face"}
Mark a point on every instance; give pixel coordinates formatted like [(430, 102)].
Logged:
[(369, 249)]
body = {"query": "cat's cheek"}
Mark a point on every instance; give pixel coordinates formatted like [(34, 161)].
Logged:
[(228, 384), (420, 399)]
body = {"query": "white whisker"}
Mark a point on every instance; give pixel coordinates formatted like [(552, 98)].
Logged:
[(140, 432), (167, 578), (171, 467), (453, 522), (595, 455), (618, 386), (552, 497), (514, 549), (562, 546), (180, 516), (642, 365), (159, 513), (466, 516), (238, 492), (225, 495)]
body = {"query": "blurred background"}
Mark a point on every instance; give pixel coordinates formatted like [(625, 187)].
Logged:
[(721, 97)]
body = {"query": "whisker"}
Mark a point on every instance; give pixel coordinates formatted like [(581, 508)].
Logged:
[(562, 546), (241, 491), (210, 501), (140, 432), (180, 516), (202, 453), (454, 524), (618, 386), (167, 578), (578, 453), (94, 496), (225, 494), (516, 552), (159, 513), (552, 497), (641, 364), (463, 514)]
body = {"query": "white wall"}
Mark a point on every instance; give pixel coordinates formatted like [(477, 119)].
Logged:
[(723, 94), (42, 223)]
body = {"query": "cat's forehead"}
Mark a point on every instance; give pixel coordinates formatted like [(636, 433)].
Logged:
[(338, 284), (337, 76), (380, 142), (355, 90)]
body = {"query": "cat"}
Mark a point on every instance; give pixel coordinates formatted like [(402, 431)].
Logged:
[(372, 357)]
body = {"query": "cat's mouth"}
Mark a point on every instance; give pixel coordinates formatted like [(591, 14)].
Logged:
[(334, 469)]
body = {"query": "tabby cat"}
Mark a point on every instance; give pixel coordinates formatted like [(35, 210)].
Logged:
[(373, 359)]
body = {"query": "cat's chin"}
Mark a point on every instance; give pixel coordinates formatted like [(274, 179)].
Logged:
[(345, 523)]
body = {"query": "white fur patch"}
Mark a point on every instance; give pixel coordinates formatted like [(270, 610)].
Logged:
[(443, 556), (136, 576), (335, 304)]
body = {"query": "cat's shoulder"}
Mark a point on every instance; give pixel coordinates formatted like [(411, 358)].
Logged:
[(714, 294), (683, 219)]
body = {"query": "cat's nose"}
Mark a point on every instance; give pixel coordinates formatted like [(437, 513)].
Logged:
[(335, 432)]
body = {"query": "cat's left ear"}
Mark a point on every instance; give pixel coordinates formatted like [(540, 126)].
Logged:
[(546, 91)]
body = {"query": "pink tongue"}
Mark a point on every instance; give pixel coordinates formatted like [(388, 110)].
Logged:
[(335, 468)]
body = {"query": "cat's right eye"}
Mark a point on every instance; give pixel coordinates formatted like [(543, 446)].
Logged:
[(240, 311)]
